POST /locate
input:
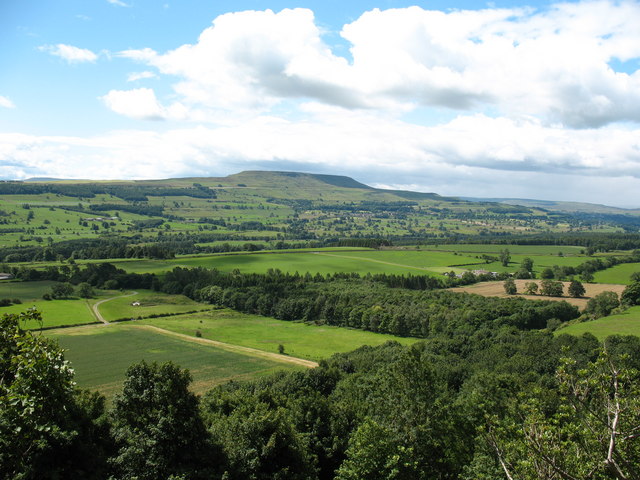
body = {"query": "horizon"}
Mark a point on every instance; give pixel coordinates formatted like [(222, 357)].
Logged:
[(465, 198), (509, 99)]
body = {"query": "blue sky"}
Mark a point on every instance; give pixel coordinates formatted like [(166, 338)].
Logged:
[(504, 99)]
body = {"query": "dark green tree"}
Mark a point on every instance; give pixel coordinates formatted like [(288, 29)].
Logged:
[(551, 288), (510, 287), (85, 290), (576, 289), (157, 427), (374, 453), (631, 294), (61, 290), (527, 264), (591, 435), (505, 257), (602, 304), (46, 430)]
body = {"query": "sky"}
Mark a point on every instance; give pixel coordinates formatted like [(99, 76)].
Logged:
[(515, 99)]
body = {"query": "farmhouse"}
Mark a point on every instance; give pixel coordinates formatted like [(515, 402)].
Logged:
[(135, 304), (5, 276)]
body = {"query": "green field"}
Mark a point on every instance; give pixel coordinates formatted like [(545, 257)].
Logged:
[(618, 274), (626, 323), (547, 250), (299, 339), (151, 303), (25, 291), (101, 355), (56, 313)]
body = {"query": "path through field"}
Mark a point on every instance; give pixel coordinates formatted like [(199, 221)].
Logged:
[(232, 348), (375, 261), (96, 312)]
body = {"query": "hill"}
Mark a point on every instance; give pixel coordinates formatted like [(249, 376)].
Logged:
[(258, 209), (557, 206)]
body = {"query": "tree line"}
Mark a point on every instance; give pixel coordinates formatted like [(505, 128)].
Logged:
[(485, 402)]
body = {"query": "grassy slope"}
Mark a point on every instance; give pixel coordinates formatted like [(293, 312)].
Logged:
[(299, 339), (101, 355), (626, 323), (617, 274), (151, 303)]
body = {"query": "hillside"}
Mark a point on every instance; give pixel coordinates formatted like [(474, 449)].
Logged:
[(557, 206), (186, 215)]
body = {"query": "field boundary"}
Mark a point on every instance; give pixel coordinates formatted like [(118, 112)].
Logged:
[(230, 347)]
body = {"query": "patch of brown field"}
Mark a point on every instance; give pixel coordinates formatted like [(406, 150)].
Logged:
[(496, 289)]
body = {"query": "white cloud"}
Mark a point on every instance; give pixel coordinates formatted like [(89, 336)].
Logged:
[(118, 3), (140, 103), (135, 76), (70, 53), (470, 156), (552, 64), (6, 102)]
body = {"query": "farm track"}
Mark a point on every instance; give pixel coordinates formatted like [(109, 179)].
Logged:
[(79, 330), (231, 348), (96, 312)]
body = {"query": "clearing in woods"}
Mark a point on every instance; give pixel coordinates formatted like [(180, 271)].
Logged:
[(496, 289)]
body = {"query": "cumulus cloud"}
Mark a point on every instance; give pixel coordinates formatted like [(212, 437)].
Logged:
[(70, 53), (118, 3), (470, 156), (6, 102), (553, 64), (142, 104)]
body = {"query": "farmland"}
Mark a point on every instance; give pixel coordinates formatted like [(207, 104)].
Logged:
[(258, 222), (625, 323), (302, 340), (496, 289), (101, 355)]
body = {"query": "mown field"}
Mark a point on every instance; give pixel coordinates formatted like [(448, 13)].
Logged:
[(626, 323), (150, 303), (299, 339), (397, 261), (618, 274), (101, 354), (496, 289)]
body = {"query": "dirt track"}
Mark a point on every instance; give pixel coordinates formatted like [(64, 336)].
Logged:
[(96, 312), (496, 289)]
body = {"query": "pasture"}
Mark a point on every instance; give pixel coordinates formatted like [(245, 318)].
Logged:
[(150, 303), (101, 354), (25, 291), (625, 323), (618, 274), (56, 313), (299, 339)]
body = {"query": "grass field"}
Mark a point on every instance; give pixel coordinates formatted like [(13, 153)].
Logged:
[(617, 274), (101, 354), (56, 313), (151, 303), (626, 323), (547, 250), (299, 339), (25, 291)]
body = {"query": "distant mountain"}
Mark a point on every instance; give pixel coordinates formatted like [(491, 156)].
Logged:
[(558, 206)]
